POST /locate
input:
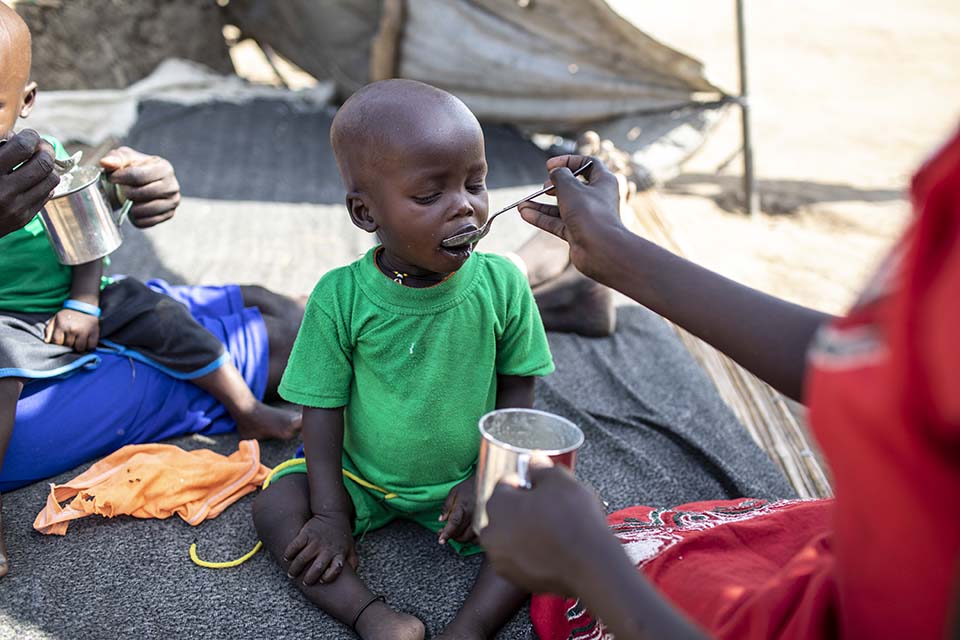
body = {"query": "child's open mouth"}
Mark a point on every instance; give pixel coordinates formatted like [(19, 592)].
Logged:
[(468, 235), (459, 253), (459, 245)]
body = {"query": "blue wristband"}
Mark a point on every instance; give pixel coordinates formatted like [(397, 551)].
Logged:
[(82, 307)]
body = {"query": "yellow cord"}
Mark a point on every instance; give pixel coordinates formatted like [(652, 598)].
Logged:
[(363, 483), (229, 564), (206, 564)]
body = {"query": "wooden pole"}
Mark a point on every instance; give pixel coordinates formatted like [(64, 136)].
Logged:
[(750, 196)]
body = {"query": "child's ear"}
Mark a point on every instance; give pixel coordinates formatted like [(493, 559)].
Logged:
[(360, 212), (29, 99)]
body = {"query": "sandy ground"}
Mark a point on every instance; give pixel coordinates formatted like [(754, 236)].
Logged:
[(848, 98)]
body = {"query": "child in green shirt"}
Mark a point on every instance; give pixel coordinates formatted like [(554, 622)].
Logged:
[(53, 317), (398, 356)]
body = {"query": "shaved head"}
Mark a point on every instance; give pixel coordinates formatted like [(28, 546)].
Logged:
[(15, 43), (382, 120), (17, 93)]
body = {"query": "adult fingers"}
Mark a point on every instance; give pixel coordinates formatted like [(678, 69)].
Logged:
[(122, 157), (80, 343), (562, 168), (148, 214), (564, 182), (540, 473), (159, 190), (36, 169), (149, 170), (33, 199), (540, 461), (58, 335), (18, 149), (500, 506), (574, 162), (48, 330), (544, 216)]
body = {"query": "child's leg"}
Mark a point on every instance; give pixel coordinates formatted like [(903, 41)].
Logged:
[(568, 301), (161, 329), (282, 317), (490, 605), (254, 419), (10, 389), (279, 513)]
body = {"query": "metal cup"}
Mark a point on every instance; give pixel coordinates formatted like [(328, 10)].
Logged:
[(510, 437), (83, 219)]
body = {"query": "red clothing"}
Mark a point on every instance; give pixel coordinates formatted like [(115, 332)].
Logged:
[(882, 559)]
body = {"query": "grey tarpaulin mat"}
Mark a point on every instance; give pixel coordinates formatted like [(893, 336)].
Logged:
[(656, 433), (275, 151)]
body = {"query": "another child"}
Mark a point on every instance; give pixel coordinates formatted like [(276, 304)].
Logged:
[(399, 355), (53, 317)]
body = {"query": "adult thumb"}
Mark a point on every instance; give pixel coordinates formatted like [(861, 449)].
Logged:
[(116, 159), (111, 162), (563, 178)]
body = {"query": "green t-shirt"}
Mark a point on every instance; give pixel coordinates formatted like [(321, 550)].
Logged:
[(31, 278), (415, 368)]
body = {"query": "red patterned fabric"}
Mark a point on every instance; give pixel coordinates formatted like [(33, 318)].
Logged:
[(881, 560)]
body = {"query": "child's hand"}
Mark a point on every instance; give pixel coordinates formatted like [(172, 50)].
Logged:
[(458, 512), (79, 331), (321, 548)]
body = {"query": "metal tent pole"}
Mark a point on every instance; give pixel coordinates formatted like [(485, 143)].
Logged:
[(750, 196)]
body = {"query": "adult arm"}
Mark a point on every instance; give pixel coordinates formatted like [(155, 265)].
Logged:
[(325, 542), (24, 191), (553, 538), (149, 182), (766, 335)]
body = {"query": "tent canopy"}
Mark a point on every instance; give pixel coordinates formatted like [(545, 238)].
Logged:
[(549, 64)]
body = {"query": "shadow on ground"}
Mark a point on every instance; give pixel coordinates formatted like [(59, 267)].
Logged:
[(776, 196)]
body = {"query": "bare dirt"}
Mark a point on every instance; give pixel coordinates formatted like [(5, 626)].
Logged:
[(848, 99)]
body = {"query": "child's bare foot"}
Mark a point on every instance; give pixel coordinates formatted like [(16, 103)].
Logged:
[(379, 621), (4, 560), (573, 303), (264, 422)]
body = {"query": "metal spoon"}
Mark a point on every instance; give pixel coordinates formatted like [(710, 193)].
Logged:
[(65, 166), (469, 237)]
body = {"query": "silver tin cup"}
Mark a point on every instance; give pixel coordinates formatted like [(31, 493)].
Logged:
[(509, 438), (83, 218)]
